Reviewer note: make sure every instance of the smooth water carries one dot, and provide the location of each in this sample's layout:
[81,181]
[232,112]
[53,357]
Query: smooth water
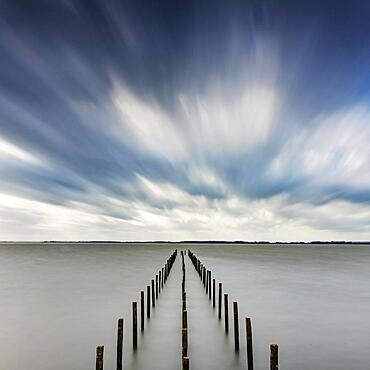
[59,301]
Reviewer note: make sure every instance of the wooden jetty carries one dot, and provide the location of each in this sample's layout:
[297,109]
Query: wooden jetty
[219,301]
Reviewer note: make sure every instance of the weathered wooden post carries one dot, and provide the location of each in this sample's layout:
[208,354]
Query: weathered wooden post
[148,301]
[99,357]
[162,276]
[219,300]
[209,284]
[226,301]
[207,276]
[156,286]
[214,292]
[184,301]
[185,319]
[119,344]
[159,283]
[185,363]
[249,340]
[236,325]
[134,325]
[274,357]
[184,342]
[153,294]
[142,313]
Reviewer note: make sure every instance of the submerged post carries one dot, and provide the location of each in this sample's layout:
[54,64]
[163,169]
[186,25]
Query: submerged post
[148,301]
[142,313]
[207,277]
[219,300]
[184,342]
[156,286]
[236,325]
[99,357]
[119,344]
[214,292]
[153,294]
[185,363]
[185,319]
[159,282]
[209,284]
[226,300]
[134,325]
[274,357]
[249,340]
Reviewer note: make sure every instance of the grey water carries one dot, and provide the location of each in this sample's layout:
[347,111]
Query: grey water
[59,301]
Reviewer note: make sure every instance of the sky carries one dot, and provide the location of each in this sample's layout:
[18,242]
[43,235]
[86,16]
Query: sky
[174,120]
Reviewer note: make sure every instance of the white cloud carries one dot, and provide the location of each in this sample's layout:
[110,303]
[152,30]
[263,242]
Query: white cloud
[332,150]
[9,151]
[217,122]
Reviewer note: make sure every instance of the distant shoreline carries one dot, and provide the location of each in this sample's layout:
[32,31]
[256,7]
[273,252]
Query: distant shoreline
[182,242]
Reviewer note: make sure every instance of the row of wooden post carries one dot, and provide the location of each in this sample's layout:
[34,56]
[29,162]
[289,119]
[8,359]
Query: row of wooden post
[184,330]
[206,278]
[157,285]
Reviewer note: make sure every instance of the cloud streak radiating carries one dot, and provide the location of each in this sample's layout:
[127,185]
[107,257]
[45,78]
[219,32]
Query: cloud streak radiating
[177,120]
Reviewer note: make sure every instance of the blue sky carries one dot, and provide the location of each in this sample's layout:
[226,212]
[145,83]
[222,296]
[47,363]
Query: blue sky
[147,120]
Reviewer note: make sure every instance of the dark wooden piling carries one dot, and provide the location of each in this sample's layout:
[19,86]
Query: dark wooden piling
[142,313]
[249,340]
[214,292]
[185,363]
[148,301]
[134,325]
[209,284]
[226,301]
[156,287]
[99,357]
[274,357]
[219,300]
[119,344]
[236,325]
[184,301]
[159,282]
[162,277]
[207,277]
[184,342]
[153,294]
[185,319]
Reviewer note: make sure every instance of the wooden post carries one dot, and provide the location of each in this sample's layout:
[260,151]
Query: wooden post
[162,276]
[185,319]
[184,301]
[159,284]
[207,277]
[236,325]
[142,313]
[214,292]
[226,300]
[99,357]
[249,340]
[184,342]
[274,357]
[134,325]
[219,300]
[148,301]
[209,284]
[153,294]
[119,344]
[156,286]
[185,363]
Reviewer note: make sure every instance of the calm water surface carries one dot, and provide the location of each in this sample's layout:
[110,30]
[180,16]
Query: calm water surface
[57,302]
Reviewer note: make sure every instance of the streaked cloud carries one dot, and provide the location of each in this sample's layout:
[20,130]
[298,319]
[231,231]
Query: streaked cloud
[122,124]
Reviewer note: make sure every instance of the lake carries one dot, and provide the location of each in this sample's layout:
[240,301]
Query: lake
[59,301]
